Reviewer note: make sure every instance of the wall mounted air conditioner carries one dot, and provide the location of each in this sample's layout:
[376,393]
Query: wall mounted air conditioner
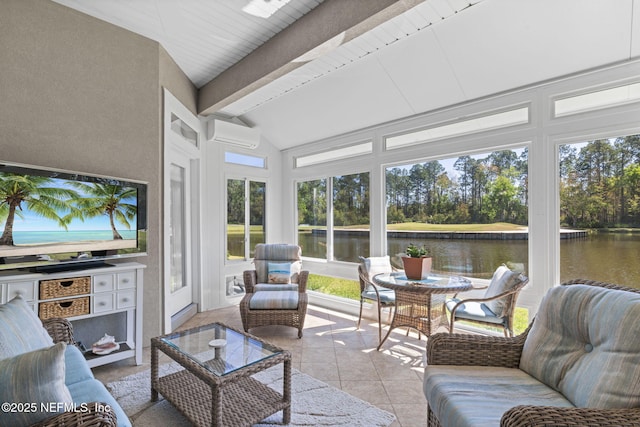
[233,134]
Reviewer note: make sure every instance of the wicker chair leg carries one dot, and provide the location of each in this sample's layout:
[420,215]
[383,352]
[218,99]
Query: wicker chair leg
[360,315]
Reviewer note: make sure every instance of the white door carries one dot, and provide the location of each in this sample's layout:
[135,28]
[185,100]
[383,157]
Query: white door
[180,292]
[181,187]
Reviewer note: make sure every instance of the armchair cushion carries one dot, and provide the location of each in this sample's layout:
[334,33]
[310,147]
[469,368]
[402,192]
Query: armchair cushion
[279,272]
[275,287]
[503,280]
[21,331]
[376,265]
[478,395]
[474,310]
[588,339]
[277,253]
[274,300]
[34,378]
[386,295]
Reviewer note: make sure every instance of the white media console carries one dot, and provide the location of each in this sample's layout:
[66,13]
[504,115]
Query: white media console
[97,301]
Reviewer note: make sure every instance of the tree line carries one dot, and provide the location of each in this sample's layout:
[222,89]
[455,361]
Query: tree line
[600,183]
[599,187]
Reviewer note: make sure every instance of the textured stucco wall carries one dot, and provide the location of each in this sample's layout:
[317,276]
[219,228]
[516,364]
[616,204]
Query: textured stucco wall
[80,94]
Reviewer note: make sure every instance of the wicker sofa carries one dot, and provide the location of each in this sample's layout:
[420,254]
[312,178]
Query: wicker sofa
[45,377]
[577,364]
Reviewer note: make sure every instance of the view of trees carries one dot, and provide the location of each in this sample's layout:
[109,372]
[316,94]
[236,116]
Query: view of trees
[599,187]
[484,189]
[600,183]
[350,201]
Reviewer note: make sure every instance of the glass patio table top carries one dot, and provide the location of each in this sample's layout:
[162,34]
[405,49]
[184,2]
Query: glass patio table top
[434,283]
[219,348]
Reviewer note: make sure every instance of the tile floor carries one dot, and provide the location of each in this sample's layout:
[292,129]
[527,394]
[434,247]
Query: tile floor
[334,351]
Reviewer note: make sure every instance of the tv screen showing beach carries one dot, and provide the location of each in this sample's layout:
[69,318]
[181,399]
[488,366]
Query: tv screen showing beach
[46,212]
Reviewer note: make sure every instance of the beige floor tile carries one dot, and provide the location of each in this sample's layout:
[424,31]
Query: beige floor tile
[370,391]
[333,351]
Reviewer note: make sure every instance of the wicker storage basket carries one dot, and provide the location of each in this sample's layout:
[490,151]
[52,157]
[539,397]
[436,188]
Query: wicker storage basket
[57,288]
[64,308]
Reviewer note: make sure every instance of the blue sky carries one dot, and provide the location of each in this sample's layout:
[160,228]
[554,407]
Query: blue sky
[32,222]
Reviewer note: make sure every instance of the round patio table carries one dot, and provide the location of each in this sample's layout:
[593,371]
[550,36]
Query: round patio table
[420,303]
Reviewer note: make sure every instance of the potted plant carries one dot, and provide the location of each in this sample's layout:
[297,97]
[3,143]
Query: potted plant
[417,262]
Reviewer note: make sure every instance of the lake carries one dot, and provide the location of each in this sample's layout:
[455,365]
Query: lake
[611,257]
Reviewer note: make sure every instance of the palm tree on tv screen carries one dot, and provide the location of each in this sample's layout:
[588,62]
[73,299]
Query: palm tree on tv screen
[41,196]
[107,199]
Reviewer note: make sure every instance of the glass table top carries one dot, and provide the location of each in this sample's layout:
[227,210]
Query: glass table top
[220,349]
[399,278]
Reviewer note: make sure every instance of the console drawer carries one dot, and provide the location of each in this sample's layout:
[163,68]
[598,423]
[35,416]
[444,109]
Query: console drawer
[64,287]
[103,283]
[126,299]
[64,308]
[24,289]
[103,303]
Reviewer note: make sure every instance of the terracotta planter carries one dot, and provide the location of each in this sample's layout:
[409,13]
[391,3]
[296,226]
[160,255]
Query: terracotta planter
[417,268]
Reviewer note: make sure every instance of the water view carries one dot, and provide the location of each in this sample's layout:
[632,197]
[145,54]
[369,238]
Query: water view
[611,257]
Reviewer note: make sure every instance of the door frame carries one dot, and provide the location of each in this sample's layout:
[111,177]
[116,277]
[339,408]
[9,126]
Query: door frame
[174,143]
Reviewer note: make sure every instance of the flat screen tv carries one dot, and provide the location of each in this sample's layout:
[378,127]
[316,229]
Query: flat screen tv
[57,220]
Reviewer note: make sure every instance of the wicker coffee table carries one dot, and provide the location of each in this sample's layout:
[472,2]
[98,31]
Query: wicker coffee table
[215,388]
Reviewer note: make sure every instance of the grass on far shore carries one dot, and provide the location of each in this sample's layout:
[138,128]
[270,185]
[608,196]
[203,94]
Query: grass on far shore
[421,226]
[351,289]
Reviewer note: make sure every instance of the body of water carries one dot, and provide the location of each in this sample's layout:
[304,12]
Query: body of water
[611,257]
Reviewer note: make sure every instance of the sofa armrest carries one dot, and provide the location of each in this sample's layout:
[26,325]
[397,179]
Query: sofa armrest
[60,330]
[96,415]
[474,350]
[529,416]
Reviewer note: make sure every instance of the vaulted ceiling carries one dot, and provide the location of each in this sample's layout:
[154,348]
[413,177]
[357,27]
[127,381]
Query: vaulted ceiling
[378,60]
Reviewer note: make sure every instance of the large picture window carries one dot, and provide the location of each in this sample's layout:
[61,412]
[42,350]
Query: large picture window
[469,211]
[600,209]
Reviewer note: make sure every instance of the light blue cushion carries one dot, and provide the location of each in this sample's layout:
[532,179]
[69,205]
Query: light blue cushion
[473,310]
[21,331]
[584,343]
[93,390]
[34,378]
[277,252]
[477,396]
[279,272]
[76,366]
[386,295]
[275,287]
[274,300]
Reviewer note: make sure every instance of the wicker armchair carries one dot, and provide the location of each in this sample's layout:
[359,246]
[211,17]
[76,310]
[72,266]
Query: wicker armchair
[479,310]
[272,302]
[489,351]
[98,414]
